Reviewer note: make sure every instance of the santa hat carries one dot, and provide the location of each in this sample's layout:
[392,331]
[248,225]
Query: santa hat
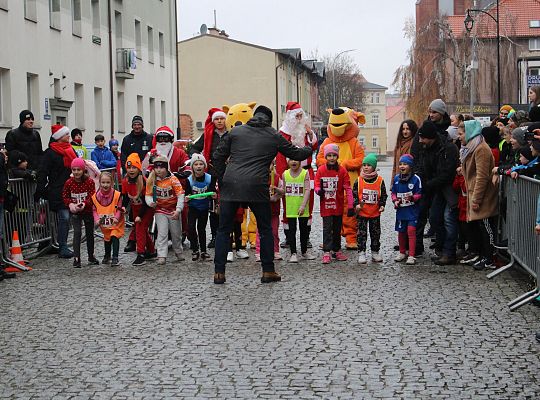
[59,131]
[197,157]
[217,114]
[209,128]
[162,131]
[292,105]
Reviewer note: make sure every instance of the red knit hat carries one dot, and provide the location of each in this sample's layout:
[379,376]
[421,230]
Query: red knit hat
[292,105]
[59,131]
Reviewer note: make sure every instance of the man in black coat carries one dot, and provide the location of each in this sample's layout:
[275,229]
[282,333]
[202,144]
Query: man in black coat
[26,139]
[138,141]
[248,151]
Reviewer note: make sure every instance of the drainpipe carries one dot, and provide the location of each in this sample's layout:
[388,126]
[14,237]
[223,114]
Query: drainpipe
[179,129]
[111,68]
[277,96]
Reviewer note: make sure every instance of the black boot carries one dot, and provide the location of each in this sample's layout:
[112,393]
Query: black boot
[212,242]
[130,247]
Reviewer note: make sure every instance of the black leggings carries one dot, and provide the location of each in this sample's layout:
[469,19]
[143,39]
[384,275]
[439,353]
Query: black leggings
[114,243]
[291,233]
[197,220]
[332,233]
[77,220]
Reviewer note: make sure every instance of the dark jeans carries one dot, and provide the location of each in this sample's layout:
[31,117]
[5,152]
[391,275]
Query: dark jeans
[374,225]
[63,227]
[422,220]
[445,220]
[486,229]
[197,220]
[77,220]
[304,233]
[332,233]
[263,216]
[214,223]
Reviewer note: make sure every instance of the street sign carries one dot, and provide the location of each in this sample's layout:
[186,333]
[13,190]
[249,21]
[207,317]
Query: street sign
[47,117]
[533,80]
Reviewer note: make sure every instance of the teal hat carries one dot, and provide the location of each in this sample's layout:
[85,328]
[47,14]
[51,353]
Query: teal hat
[473,128]
[370,159]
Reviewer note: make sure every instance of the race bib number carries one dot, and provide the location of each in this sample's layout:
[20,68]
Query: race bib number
[404,197]
[294,189]
[330,186]
[78,197]
[164,193]
[107,220]
[369,196]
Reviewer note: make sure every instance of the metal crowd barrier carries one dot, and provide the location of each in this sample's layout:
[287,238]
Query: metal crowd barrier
[33,221]
[523,244]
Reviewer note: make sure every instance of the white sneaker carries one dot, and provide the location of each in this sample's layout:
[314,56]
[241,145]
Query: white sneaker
[411,260]
[294,258]
[308,256]
[257,257]
[400,257]
[242,254]
[161,260]
[230,256]
[362,257]
[375,256]
[277,256]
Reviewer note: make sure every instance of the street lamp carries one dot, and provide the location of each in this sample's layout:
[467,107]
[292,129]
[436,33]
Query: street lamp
[469,23]
[334,73]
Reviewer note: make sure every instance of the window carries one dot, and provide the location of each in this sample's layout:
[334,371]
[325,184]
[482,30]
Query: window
[150,45]
[534,23]
[375,98]
[161,43]
[375,142]
[96,23]
[32,93]
[79,106]
[374,120]
[30,10]
[57,89]
[5,94]
[163,113]
[138,39]
[76,17]
[54,14]
[534,44]
[98,109]
[152,114]
[121,113]
[140,106]
[118,29]
[362,140]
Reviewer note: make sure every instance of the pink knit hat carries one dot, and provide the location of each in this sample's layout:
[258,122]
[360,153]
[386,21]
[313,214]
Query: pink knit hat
[78,163]
[331,148]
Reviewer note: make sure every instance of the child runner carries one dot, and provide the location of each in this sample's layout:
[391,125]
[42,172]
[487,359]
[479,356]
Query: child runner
[199,182]
[165,194]
[332,184]
[406,193]
[77,196]
[295,183]
[369,193]
[133,191]
[109,216]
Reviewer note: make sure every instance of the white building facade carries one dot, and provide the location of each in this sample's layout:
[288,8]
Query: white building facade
[90,64]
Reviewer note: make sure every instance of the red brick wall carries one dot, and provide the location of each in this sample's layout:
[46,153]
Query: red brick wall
[186,126]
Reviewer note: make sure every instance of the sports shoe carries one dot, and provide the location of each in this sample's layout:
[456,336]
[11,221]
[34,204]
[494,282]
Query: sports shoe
[219,279]
[205,256]
[258,257]
[149,255]
[375,256]
[212,243]
[326,258]
[338,255]
[309,244]
[308,256]
[65,253]
[484,264]
[140,260]
[77,262]
[445,260]
[106,260]
[230,256]
[269,277]
[362,258]
[284,245]
[410,260]
[277,256]
[93,260]
[195,256]
[400,257]
[115,262]
[470,260]
[294,258]
[161,260]
[131,246]
[242,254]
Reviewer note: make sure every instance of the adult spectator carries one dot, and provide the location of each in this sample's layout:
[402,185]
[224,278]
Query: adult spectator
[437,169]
[54,171]
[477,162]
[215,131]
[439,116]
[26,139]
[534,97]
[3,189]
[250,149]
[138,141]
[407,132]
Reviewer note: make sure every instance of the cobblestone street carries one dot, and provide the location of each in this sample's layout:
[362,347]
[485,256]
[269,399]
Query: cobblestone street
[341,331]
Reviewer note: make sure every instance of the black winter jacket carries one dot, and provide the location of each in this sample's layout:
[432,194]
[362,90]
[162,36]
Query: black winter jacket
[198,147]
[52,175]
[28,142]
[134,143]
[3,176]
[250,149]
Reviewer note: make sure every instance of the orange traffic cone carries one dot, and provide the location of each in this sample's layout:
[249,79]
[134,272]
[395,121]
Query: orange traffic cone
[16,255]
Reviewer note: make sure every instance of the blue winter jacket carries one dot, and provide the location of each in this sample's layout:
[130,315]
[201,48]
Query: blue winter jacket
[104,158]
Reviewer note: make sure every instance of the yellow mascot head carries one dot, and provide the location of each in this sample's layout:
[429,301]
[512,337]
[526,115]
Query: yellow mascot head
[238,114]
[343,123]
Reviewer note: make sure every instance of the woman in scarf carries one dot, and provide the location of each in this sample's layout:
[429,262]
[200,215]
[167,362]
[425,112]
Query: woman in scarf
[482,198]
[407,131]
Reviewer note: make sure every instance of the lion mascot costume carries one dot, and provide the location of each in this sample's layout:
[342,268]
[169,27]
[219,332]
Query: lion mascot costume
[343,131]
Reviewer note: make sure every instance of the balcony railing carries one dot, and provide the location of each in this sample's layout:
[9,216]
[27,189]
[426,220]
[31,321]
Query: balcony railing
[126,62]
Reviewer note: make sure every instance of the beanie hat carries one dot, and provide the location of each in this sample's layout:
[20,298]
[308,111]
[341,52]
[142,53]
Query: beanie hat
[264,110]
[407,159]
[59,131]
[438,105]
[137,119]
[24,115]
[526,152]
[370,159]
[331,148]
[75,132]
[506,107]
[473,128]
[428,130]
[534,114]
[113,142]
[292,105]
[78,163]
[217,113]
[519,135]
[535,144]
[197,157]
[492,136]
[162,161]
[134,160]
[16,157]
[165,131]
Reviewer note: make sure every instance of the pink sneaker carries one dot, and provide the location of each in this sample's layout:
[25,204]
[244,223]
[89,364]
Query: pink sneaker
[326,258]
[340,256]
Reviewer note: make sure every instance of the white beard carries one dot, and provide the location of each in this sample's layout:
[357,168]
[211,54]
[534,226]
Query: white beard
[298,136]
[164,149]
[296,129]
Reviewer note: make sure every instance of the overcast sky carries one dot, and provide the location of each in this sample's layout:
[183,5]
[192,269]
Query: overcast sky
[374,28]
